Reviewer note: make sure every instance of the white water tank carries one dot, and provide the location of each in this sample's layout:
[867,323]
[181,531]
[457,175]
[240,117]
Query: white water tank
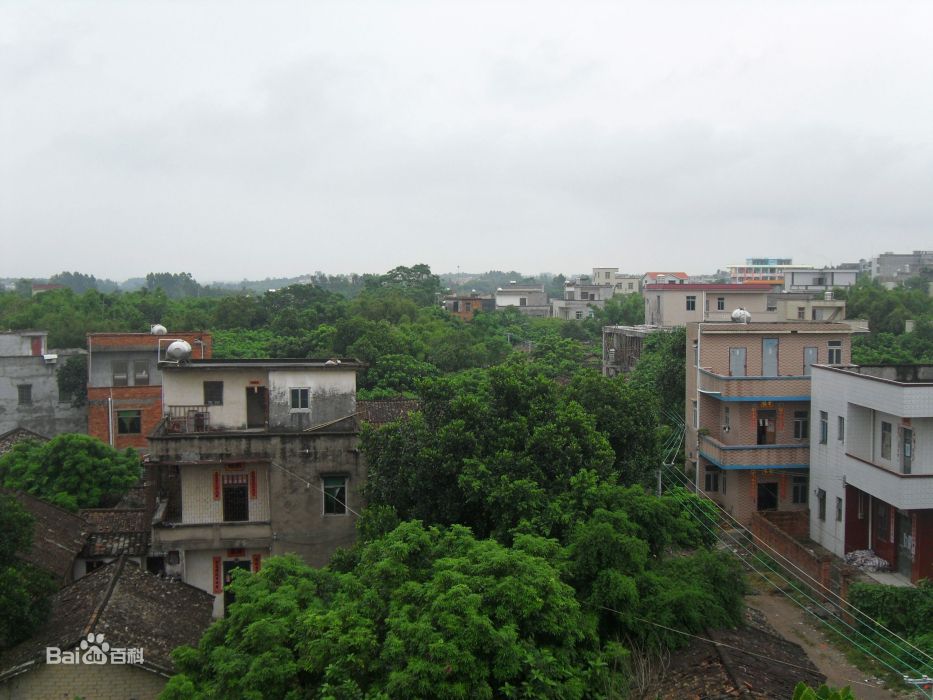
[741,316]
[178,351]
[158,329]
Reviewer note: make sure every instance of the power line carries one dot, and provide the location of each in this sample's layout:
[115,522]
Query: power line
[816,602]
[314,486]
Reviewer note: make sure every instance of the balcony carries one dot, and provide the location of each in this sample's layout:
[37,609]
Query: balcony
[187,419]
[903,491]
[168,535]
[796,456]
[727,388]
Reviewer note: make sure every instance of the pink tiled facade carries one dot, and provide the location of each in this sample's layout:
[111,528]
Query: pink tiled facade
[748,434]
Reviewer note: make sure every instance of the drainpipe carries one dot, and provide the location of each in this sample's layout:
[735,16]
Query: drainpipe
[696,472]
[110,417]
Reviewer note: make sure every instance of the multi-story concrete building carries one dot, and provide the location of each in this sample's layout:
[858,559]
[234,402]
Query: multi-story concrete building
[124,386]
[254,458]
[748,409]
[465,306]
[893,268]
[664,278]
[762,270]
[871,463]
[29,394]
[823,280]
[623,283]
[529,299]
[581,296]
[678,304]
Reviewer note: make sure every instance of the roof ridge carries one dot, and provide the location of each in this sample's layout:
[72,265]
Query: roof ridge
[95,616]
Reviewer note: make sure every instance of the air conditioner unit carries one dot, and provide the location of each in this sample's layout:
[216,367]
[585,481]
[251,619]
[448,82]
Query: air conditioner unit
[50,359]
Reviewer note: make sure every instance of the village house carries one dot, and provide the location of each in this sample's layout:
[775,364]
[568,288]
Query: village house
[528,299]
[466,306]
[29,395]
[254,458]
[747,408]
[871,459]
[124,392]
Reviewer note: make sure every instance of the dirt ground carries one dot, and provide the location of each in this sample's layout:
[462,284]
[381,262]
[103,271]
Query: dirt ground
[800,627]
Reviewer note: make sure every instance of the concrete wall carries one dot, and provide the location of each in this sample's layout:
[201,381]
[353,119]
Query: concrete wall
[20,344]
[199,569]
[45,414]
[104,682]
[668,306]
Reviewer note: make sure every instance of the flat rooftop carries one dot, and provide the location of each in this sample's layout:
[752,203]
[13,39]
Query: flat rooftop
[901,374]
[268,363]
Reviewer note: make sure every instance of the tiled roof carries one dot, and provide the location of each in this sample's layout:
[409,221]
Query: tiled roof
[58,536]
[11,437]
[379,412]
[130,607]
[745,663]
[115,532]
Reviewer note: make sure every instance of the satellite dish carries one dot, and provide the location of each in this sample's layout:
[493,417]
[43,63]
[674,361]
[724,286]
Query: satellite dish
[178,351]
[158,329]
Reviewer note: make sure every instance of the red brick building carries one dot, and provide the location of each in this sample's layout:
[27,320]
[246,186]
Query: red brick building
[124,388]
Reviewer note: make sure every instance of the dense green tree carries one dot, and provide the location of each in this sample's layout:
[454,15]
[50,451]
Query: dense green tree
[71,377]
[71,470]
[24,589]
[661,369]
[422,612]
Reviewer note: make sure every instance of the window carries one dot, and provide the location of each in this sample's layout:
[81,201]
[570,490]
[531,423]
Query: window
[841,429]
[523,301]
[799,489]
[722,481]
[120,377]
[801,425]
[801,313]
[726,419]
[236,497]
[821,503]
[24,394]
[885,440]
[834,353]
[631,285]
[140,372]
[696,415]
[691,303]
[606,275]
[578,315]
[907,440]
[824,427]
[712,480]
[838,509]
[299,400]
[129,422]
[213,393]
[862,506]
[720,303]
[335,495]
[881,523]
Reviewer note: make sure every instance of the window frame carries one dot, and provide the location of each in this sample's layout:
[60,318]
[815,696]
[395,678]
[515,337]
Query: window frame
[691,302]
[839,509]
[130,421]
[886,440]
[118,378]
[214,385]
[339,501]
[24,394]
[801,425]
[303,394]
[711,480]
[841,429]
[824,427]
[720,303]
[834,352]
[821,504]
[799,486]
[145,374]
[234,495]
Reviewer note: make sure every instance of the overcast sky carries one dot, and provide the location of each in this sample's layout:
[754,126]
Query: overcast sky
[259,139]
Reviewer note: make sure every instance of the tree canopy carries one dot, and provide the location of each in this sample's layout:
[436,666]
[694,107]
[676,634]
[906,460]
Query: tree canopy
[73,471]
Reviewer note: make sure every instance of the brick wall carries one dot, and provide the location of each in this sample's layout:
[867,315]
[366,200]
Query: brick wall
[102,342]
[796,524]
[146,399]
[815,563]
[106,682]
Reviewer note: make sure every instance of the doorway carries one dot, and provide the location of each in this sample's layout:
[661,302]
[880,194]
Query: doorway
[768,496]
[767,427]
[229,568]
[256,402]
[905,540]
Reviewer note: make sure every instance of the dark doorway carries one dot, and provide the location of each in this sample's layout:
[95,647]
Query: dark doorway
[905,538]
[766,427]
[768,496]
[229,567]
[256,406]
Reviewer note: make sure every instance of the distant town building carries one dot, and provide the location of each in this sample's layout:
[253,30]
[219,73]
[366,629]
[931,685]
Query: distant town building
[678,304]
[29,394]
[871,470]
[581,296]
[124,388]
[762,270]
[624,283]
[529,299]
[747,407]
[465,306]
[664,278]
[812,280]
[894,268]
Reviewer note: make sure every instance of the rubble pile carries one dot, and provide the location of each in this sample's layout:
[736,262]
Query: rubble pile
[867,560]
